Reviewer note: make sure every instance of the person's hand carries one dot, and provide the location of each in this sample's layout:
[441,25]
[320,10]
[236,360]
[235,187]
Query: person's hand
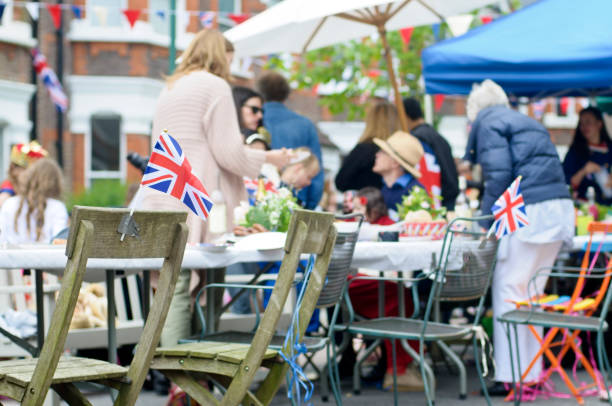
[279,157]
[241,231]
[591,167]
[609,182]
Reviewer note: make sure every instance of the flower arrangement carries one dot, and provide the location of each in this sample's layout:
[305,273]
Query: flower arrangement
[419,206]
[273,211]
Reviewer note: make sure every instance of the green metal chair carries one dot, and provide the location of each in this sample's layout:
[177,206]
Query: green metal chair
[463,273]
[572,318]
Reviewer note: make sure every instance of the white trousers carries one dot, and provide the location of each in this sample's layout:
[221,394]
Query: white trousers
[510,281]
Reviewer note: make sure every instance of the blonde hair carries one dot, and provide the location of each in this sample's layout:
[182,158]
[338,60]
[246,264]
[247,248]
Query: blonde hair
[207,51]
[42,180]
[484,95]
[381,121]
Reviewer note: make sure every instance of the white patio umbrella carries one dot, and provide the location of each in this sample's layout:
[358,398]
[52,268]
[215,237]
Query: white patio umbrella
[298,26]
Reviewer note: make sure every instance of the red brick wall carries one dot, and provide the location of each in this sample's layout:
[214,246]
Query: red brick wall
[140,144]
[77,149]
[15,63]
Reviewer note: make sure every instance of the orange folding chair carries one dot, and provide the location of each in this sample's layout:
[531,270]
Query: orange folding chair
[566,317]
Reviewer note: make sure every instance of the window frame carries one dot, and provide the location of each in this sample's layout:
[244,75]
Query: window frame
[91,174]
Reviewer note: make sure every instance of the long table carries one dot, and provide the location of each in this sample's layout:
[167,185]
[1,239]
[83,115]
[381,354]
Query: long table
[404,256]
[383,256]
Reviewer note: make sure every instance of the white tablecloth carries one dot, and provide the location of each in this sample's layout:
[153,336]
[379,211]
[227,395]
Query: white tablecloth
[375,255]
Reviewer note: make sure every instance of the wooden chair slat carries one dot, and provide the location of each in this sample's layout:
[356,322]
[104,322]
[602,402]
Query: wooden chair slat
[156,234]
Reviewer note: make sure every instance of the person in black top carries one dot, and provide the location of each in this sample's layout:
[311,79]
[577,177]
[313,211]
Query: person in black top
[356,170]
[442,151]
[588,162]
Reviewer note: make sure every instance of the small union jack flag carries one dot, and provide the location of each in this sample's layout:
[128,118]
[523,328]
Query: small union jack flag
[509,211]
[169,172]
[46,74]
[207,19]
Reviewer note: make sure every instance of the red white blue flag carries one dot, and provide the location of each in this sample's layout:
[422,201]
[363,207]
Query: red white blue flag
[509,211]
[207,19]
[46,74]
[169,172]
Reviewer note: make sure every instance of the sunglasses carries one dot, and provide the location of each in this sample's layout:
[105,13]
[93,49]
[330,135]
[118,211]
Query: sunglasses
[254,109]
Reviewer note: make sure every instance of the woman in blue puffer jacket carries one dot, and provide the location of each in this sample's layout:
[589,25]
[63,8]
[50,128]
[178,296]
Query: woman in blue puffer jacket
[507,144]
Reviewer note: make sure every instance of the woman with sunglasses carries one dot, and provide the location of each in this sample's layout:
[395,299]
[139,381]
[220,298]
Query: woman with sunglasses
[250,115]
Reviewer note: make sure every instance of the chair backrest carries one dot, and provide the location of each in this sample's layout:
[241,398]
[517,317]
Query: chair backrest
[94,234]
[309,233]
[603,293]
[465,266]
[340,264]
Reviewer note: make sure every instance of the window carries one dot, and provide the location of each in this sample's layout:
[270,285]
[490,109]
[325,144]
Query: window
[105,146]
[160,24]
[109,10]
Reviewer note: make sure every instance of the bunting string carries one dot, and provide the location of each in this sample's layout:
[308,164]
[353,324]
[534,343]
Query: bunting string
[206,17]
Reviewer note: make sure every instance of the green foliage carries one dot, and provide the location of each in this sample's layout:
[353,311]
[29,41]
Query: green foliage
[418,200]
[273,211]
[361,66]
[102,193]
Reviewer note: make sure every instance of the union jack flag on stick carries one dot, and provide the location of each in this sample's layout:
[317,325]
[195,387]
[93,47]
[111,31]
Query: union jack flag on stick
[509,211]
[50,80]
[169,172]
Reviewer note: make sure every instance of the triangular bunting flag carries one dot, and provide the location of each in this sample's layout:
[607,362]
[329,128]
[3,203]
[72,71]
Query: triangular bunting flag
[161,14]
[131,15]
[2,6]
[406,34]
[459,25]
[56,14]
[207,19]
[238,18]
[486,19]
[33,10]
[101,13]
[438,101]
[77,11]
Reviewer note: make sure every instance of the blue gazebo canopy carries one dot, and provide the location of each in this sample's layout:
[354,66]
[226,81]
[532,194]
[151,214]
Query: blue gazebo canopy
[552,47]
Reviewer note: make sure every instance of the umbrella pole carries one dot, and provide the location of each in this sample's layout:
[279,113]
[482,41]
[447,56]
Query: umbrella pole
[398,98]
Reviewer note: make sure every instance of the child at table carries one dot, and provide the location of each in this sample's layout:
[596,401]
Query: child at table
[369,202]
[36,214]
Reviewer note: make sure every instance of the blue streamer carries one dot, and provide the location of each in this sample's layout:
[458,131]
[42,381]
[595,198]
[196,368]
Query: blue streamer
[298,379]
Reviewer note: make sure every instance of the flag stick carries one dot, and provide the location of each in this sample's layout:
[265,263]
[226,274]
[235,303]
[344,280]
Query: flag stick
[133,204]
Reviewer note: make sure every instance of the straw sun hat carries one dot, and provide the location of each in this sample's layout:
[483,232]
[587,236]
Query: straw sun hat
[404,148]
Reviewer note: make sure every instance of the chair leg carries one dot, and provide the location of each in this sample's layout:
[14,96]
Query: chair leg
[518,363]
[429,380]
[604,364]
[357,367]
[334,376]
[483,385]
[394,359]
[508,336]
[71,394]
[460,367]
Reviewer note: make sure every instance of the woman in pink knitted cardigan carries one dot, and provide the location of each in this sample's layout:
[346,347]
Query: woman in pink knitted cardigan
[197,108]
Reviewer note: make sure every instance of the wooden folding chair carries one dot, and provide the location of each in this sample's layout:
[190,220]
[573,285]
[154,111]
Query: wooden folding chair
[94,234]
[568,319]
[233,365]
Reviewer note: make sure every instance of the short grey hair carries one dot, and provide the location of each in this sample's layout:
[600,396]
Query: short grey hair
[484,95]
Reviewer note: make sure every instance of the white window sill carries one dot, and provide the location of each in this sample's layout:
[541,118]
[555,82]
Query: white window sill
[18,33]
[83,31]
[554,121]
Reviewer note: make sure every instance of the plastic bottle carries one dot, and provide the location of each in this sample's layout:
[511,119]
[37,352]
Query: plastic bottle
[462,208]
[592,207]
[217,220]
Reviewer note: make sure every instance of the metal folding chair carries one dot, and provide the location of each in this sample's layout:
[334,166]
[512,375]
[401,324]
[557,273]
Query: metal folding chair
[566,320]
[464,271]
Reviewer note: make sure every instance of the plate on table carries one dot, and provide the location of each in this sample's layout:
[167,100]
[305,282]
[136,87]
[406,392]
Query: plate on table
[268,241]
[214,247]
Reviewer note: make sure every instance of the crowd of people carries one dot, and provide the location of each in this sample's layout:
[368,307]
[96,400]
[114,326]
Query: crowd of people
[234,134]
